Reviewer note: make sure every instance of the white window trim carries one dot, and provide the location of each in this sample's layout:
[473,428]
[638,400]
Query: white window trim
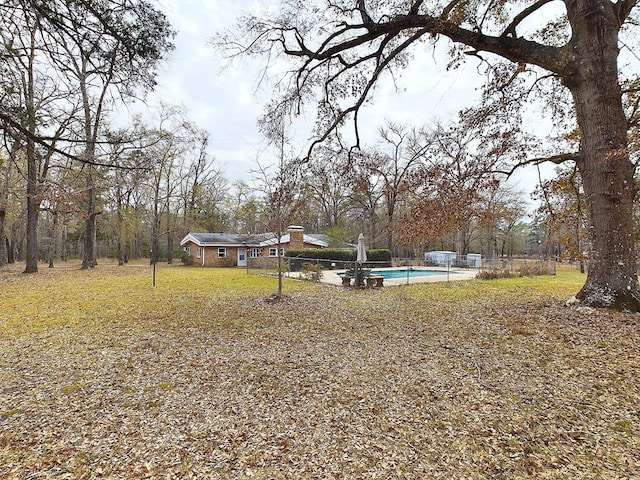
[222,252]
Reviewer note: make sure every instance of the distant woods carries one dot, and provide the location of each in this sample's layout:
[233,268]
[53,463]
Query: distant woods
[155,181]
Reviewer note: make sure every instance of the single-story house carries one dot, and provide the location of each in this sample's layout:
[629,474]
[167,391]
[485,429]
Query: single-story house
[228,249]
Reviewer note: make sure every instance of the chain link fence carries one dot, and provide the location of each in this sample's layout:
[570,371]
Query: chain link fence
[311,268]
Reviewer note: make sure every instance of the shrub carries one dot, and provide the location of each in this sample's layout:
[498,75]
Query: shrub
[311,272]
[494,273]
[535,269]
[524,270]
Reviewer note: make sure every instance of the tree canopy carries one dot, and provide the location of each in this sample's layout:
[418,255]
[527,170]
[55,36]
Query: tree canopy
[570,57]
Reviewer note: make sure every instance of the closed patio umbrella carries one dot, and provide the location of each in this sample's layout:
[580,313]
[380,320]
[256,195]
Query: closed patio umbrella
[360,259]
[362,253]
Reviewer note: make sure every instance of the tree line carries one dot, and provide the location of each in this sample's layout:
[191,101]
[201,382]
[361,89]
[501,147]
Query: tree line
[75,184]
[155,181]
[65,67]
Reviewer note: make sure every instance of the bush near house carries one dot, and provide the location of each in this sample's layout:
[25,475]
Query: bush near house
[341,258]
[311,271]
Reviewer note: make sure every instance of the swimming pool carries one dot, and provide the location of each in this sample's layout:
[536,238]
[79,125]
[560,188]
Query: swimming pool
[413,273]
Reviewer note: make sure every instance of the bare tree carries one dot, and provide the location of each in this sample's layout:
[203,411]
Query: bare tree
[448,189]
[400,154]
[562,210]
[244,208]
[203,187]
[330,189]
[280,183]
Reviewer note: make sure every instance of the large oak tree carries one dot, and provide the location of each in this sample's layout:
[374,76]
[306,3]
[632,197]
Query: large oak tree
[341,48]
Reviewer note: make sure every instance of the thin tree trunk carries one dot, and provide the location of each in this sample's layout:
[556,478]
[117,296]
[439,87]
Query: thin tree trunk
[3,239]
[89,255]
[13,248]
[53,234]
[4,201]
[120,221]
[169,247]
[63,243]
[33,209]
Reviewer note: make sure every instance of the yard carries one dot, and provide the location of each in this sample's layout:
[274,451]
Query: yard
[104,376]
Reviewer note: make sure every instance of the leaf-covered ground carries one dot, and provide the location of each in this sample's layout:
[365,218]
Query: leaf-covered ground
[103,376]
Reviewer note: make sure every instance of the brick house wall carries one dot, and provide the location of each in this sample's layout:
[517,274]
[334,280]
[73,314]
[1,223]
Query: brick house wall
[211,258]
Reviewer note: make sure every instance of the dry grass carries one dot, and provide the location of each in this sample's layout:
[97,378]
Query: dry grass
[102,376]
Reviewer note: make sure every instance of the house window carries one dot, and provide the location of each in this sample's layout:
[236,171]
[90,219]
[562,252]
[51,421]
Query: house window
[273,252]
[254,253]
[198,252]
[187,251]
[222,253]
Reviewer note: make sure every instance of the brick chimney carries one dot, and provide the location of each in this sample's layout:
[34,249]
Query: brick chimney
[296,237]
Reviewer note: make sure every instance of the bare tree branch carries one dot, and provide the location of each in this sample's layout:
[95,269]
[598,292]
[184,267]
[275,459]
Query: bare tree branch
[557,159]
[511,28]
[623,8]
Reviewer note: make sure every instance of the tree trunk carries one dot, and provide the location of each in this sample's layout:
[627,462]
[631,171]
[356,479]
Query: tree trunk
[169,248]
[3,239]
[63,243]
[4,201]
[53,235]
[33,209]
[120,224]
[89,255]
[605,167]
[155,239]
[12,245]
[279,246]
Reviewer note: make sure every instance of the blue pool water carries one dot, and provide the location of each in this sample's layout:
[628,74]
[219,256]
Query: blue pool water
[396,274]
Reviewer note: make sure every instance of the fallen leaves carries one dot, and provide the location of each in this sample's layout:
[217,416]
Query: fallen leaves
[196,379]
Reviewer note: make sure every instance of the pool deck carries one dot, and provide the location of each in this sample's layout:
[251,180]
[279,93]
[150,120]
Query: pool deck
[333,276]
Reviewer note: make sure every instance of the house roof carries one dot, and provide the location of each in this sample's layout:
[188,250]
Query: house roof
[325,238]
[309,239]
[225,239]
[239,240]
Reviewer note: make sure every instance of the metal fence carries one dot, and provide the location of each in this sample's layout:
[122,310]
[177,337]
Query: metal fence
[513,266]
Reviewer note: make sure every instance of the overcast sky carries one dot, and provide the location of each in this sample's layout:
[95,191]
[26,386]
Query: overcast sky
[226,103]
